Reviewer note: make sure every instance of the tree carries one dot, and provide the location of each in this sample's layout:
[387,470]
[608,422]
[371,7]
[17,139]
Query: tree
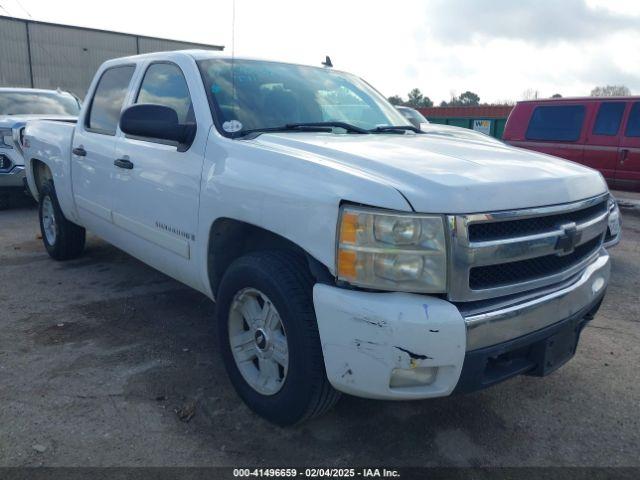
[611,91]
[416,99]
[556,95]
[530,94]
[396,100]
[469,98]
[466,99]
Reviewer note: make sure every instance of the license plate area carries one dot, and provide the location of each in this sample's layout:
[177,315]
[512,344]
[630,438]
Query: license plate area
[555,351]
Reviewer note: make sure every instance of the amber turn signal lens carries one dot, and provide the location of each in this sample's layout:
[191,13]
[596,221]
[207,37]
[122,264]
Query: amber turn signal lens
[347,264]
[349,228]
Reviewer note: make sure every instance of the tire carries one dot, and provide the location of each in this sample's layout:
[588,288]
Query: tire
[63,239]
[283,280]
[5,202]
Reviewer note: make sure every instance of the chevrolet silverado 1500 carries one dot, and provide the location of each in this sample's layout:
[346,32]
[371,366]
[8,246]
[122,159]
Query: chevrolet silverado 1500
[17,105]
[347,251]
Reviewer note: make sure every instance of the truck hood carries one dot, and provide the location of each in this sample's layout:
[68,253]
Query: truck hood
[437,174]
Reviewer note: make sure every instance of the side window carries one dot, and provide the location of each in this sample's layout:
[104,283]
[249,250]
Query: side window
[164,84]
[559,123]
[106,105]
[609,118]
[633,124]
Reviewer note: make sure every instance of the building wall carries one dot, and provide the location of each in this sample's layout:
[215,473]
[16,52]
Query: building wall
[45,55]
[14,55]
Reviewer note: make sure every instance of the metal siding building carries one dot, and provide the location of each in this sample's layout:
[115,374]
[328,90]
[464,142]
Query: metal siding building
[47,55]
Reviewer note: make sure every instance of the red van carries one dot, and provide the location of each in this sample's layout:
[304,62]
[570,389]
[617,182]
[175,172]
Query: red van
[600,132]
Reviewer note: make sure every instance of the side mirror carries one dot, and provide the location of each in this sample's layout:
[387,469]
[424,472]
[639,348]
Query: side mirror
[155,121]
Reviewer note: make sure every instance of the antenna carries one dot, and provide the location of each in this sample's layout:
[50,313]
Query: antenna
[233,49]
[327,62]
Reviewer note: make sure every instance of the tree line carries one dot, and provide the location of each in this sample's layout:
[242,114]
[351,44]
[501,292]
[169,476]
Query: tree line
[416,99]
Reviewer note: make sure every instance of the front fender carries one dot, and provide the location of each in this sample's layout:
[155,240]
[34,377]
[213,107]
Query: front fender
[293,197]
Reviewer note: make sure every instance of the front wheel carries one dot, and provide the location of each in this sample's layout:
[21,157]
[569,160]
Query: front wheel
[269,338]
[63,239]
[5,201]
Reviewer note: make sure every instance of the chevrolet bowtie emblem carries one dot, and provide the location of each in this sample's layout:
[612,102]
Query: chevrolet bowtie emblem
[570,238]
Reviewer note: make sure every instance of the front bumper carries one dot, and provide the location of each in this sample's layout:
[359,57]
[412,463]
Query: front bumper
[538,354]
[13,179]
[367,336]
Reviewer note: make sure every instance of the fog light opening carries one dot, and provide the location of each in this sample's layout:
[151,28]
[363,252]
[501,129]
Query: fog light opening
[412,377]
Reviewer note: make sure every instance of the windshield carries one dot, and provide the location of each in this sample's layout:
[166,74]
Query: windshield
[262,95]
[38,103]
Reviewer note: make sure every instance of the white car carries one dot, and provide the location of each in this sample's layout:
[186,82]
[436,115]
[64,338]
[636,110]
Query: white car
[346,250]
[17,105]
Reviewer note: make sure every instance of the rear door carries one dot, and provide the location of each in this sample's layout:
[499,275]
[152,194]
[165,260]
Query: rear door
[557,130]
[93,149]
[603,138]
[628,170]
[158,194]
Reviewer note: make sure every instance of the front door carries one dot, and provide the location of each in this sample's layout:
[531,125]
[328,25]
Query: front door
[628,170]
[158,184]
[93,149]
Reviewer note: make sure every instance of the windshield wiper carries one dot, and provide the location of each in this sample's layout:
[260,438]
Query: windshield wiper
[304,127]
[253,132]
[395,129]
[345,126]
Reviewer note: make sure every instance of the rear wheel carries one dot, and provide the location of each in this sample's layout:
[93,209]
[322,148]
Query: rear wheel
[269,337]
[63,239]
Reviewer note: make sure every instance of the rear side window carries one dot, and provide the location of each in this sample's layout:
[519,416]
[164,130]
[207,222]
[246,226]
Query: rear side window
[609,118]
[633,124]
[108,100]
[559,123]
[164,84]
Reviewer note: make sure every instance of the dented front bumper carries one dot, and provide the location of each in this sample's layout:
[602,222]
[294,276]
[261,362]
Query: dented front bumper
[367,337]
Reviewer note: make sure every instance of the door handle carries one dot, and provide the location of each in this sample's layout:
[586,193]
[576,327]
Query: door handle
[123,163]
[623,155]
[79,151]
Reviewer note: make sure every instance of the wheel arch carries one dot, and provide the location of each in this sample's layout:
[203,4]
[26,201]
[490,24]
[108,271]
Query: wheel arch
[230,239]
[40,173]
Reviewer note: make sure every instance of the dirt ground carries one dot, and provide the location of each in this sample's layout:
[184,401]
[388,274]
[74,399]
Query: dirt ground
[98,354]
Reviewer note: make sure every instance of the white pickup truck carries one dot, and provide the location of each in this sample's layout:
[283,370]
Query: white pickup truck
[17,105]
[346,250]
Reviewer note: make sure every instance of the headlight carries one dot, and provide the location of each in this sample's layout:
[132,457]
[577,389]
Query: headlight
[391,251]
[6,138]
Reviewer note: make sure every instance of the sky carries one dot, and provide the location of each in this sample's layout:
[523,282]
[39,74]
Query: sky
[499,49]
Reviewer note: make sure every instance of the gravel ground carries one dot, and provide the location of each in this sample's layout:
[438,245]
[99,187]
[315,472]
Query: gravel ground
[98,354]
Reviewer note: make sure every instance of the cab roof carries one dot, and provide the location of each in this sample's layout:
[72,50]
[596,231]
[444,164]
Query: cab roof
[201,54]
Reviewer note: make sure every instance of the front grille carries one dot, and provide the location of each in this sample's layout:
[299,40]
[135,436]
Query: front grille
[482,232]
[498,254]
[492,276]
